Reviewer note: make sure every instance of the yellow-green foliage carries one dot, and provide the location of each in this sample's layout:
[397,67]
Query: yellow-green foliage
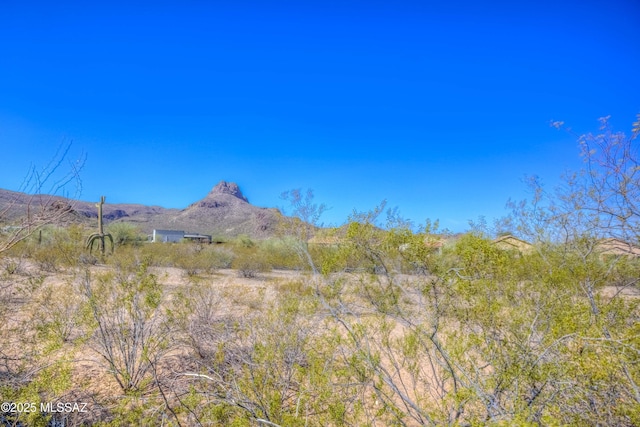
[125,233]
[250,261]
[277,363]
[413,333]
[281,254]
[48,384]
[400,329]
[193,258]
[56,247]
[126,319]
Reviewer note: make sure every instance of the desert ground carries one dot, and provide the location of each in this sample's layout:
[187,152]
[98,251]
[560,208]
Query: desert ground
[373,331]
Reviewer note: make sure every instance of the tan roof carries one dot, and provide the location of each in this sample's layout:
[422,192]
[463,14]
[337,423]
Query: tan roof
[510,242]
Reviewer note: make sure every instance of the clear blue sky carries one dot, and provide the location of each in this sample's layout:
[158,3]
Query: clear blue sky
[439,108]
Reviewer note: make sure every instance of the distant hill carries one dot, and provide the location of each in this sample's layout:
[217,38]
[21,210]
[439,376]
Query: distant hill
[225,211]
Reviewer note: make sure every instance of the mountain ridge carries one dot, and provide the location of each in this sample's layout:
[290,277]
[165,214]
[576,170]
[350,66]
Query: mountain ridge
[224,211]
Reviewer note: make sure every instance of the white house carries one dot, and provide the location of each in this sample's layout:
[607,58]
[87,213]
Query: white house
[167,236]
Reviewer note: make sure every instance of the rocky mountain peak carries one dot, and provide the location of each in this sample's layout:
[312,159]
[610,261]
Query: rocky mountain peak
[224,187]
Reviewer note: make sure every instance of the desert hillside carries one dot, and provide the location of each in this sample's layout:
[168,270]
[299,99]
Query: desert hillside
[224,211]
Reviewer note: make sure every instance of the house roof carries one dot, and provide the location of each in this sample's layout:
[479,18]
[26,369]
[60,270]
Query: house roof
[511,242]
[197,236]
[165,232]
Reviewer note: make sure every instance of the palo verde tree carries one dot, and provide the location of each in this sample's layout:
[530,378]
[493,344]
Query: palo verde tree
[100,235]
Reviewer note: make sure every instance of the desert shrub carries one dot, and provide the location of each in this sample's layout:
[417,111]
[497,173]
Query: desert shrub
[299,288]
[479,257]
[28,371]
[330,259]
[273,368]
[193,258]
[196,259]
[490,335]
[158,254]
[12,265]
[45,383]
[217,257]
[57,247]
[56,314]
[46,259]
[197,316]
[248,266]
[280,254]
[243,241]
[249,262]
[21,249]
[126,261]
[126,321]
[125,233]
[187,257]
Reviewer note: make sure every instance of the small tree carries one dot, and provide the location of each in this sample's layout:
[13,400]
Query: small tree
[304,220]
[600,200]
[126,233]
[609,186]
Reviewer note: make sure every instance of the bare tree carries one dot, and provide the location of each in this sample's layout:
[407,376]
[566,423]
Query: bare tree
[38,201]
[606,192]
[612,190]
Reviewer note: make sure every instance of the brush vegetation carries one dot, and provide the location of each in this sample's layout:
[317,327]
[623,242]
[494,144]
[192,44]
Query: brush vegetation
[378,322]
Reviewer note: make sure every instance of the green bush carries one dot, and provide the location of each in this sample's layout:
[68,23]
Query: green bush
[195,259]
[159,254]
[249,262]
[280,254]
[57,247]
[125,233]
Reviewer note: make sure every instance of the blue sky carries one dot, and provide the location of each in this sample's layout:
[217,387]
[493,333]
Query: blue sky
[441,109]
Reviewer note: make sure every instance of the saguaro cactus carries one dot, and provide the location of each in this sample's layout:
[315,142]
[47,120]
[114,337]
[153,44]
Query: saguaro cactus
[100,235]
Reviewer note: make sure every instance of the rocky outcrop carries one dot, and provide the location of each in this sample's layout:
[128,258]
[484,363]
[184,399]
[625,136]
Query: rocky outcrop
[226,211]
[224,187]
